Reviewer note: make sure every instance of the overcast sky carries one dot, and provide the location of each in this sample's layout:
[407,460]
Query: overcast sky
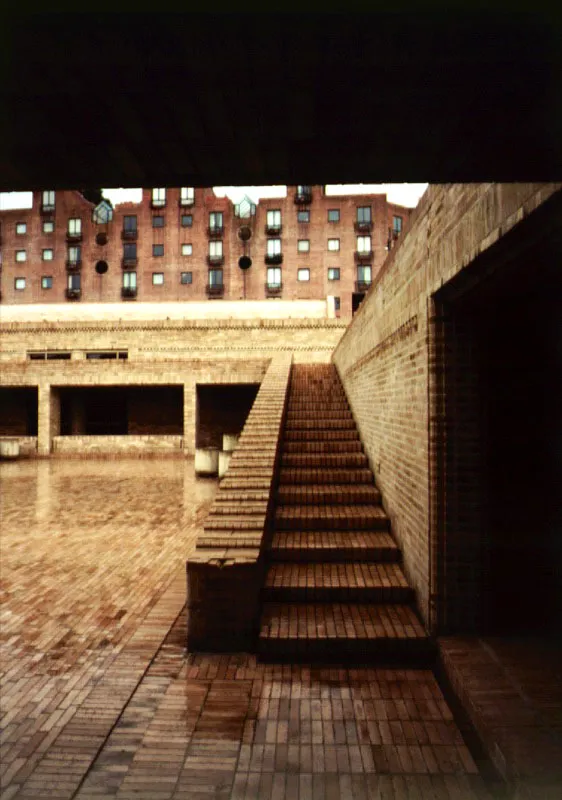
[406,194]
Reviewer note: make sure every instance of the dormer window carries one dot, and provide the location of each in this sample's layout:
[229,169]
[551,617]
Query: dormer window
[158,198]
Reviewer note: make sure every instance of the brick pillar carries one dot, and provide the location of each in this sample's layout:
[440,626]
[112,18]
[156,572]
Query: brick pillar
[48,424]
[189,417]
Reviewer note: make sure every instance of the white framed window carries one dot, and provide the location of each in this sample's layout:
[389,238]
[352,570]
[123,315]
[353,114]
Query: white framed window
[397,224]
[19,284]
[48,199]
[47,255]
[187,195]
[46,281]
[274,218]
[215,249]
[21,255]
[158,197]
[334,245]
[274,247]
[187,249]
[21,228]
[215,220]
[157,278]
[303,274]
[303,246]
[130,280]
[363,244]
[75,226]
[334,274]
[75,254]
[215,277]
[274,276]
[48,226]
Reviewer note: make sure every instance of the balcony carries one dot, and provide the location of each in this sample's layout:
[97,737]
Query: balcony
[215,261]
[363,255]
[186,202]
[74,264]
[362,286]
[129,263]
[276,258]
[215,289]
[128,292]
[158,203]
[73,294]
[129,235]
[304,196]
[273,289]
[72,238]
[273,230]
[215,231]
[363,227]
[47,208]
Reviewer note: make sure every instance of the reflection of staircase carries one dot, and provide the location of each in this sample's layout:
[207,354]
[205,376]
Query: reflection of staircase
[334,586]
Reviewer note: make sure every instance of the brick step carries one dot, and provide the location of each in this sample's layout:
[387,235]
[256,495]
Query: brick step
[347,446]
[305,546]
[244,483]
[324,460]
[334,494]
[340,632]
[227,509]
[343,435]
[336,582]
[318,396]
[335,518]
[310,423]
[317,405]
[321,413]
[241,495]
[322,475]
[224,523]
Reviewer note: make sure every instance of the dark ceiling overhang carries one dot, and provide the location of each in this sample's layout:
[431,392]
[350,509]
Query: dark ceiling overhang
[201,99]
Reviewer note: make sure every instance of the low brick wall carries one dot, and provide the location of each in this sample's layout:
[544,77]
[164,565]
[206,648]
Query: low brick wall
[28,445]
[90,446]
[225,574]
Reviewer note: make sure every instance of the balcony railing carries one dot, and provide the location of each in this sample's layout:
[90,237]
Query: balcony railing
[74,237]
[273,289]
[215,289]
[274,258]
[186,202]
[215,230]
[273,230]
[129,235]
[158,203]
[128,292]
[127,263]
[363,227]
[73,294]
[73,264]
[362,286]
[303,197]
[363,255]
[215,261]
[47,208]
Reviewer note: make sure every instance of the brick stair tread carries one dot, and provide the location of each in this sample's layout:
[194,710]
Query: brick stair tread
[324,460]
[231,483]
[315,494]
[234,523]
[331,517]
[319,435]
[336,575]
[306,446]
[241,495]
[318,545]
[308,423]
[238,507]
[298,476]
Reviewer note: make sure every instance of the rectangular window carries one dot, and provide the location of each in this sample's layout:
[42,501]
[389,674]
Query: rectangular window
[58,356]
[48,200]
[363,244]
[303,275]
[186,277]
[21,255]
[215,277]
[333,215]
[158,222]
[303,246]
[157,278]
[274,219]
[19,284]
[130,251]
[215,249]
[75,254]
[186,220]
[21,228]
[337,303]
[333,245]
[397,224]
[157,250]
[129,280]
[364,215]
[130,223]
[75,281]
[215,220]
[274,277]
[364,274]
[187,249]
[47,255]
[158,197]
[46,282]
[334,274]
[75,226]
[303,216]
[273,247]
[187,195]
[48,226]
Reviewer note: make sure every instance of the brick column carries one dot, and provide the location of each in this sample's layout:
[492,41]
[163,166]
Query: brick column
[48,423]
[189,417]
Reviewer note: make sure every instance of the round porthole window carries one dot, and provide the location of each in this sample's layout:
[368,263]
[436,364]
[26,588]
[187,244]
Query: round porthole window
[102,267]
[244,262]
[101,238]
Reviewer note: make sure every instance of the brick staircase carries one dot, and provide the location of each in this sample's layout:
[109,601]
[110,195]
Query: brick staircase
[334,588]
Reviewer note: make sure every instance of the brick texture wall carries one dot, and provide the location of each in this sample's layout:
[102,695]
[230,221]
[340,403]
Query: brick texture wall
[384,358]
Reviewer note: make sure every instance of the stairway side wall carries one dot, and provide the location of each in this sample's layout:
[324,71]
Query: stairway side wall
[384,357]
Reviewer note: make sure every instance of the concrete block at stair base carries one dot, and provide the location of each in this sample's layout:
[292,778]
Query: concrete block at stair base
[224,461]
[207,461]
[222,604]
[229,442]
[9,449]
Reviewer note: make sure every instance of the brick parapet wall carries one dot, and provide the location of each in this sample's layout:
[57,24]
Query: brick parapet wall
[383,357]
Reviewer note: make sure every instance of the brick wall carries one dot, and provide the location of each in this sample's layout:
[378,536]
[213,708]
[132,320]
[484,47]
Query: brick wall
[384,356]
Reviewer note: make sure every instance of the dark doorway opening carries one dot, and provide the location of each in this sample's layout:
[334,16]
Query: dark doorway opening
[222,408]
[18,411]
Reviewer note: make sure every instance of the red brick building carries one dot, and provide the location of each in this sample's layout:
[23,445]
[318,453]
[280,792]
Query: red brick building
[185,244]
